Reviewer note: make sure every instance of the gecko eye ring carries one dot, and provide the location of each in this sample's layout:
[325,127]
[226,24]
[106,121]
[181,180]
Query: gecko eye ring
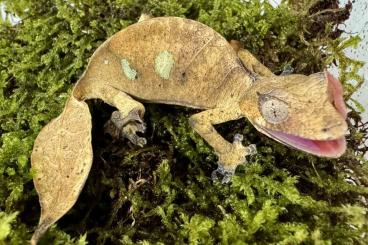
[274,111]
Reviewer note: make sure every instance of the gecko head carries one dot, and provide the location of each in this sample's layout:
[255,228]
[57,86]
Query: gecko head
[304,112]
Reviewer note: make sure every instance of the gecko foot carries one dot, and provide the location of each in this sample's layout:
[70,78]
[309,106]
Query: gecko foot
[229,160]
[129,132]
[127,127]
[248,150]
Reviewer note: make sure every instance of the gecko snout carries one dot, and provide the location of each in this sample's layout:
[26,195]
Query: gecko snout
[334,130]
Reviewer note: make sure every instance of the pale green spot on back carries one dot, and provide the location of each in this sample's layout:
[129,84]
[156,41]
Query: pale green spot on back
[129,72]
[164,63]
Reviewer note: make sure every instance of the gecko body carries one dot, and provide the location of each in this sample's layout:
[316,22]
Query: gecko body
[178,61]
[182,62]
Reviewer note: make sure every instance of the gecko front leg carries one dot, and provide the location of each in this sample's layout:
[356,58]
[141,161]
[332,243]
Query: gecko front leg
[230,155]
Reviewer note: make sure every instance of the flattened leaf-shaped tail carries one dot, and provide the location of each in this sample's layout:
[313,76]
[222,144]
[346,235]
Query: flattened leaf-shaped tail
[62,158]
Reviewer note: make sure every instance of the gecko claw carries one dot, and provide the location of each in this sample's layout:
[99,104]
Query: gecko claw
[251,150]
[238,138]
[214,176]
[226,174]
[232,158]
[141,127]
[129,132]
[120,121]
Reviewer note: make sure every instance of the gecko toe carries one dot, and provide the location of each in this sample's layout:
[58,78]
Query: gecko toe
[141,127]
[129,131]
[238,138]
[127,127]
[120,121]
[136,140]
[226,174]
[214,176]
[251,150]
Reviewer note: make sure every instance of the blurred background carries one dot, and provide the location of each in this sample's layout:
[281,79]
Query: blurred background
[357,24]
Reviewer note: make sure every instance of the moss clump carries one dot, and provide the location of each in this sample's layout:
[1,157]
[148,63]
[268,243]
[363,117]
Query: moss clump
[162,193]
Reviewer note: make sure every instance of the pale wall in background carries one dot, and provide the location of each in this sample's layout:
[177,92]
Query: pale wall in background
[358,24]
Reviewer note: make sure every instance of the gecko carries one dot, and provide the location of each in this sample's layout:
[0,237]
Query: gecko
[183,62]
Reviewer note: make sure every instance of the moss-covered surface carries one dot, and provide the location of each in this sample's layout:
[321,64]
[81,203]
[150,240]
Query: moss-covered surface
[163,193]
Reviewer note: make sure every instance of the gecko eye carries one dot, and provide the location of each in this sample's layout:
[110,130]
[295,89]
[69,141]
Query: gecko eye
[273,110]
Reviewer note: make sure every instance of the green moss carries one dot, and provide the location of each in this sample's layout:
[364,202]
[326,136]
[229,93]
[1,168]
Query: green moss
[162,193]
[5,224]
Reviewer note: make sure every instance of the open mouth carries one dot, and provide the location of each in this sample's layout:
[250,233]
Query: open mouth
[325,148]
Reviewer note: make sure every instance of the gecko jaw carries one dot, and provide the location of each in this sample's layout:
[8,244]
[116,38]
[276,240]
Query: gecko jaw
[323,148]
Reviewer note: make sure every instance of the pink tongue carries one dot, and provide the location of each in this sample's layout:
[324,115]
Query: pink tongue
[331,148]
[326,148]
[336,92]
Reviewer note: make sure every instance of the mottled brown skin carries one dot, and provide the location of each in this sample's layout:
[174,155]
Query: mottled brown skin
[208,73]
[174,61]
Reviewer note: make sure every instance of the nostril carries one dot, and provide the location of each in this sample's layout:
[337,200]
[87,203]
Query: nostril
[330,127]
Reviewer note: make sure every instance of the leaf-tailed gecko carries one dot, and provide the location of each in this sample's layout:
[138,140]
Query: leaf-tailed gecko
[183,62]
[179,61]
